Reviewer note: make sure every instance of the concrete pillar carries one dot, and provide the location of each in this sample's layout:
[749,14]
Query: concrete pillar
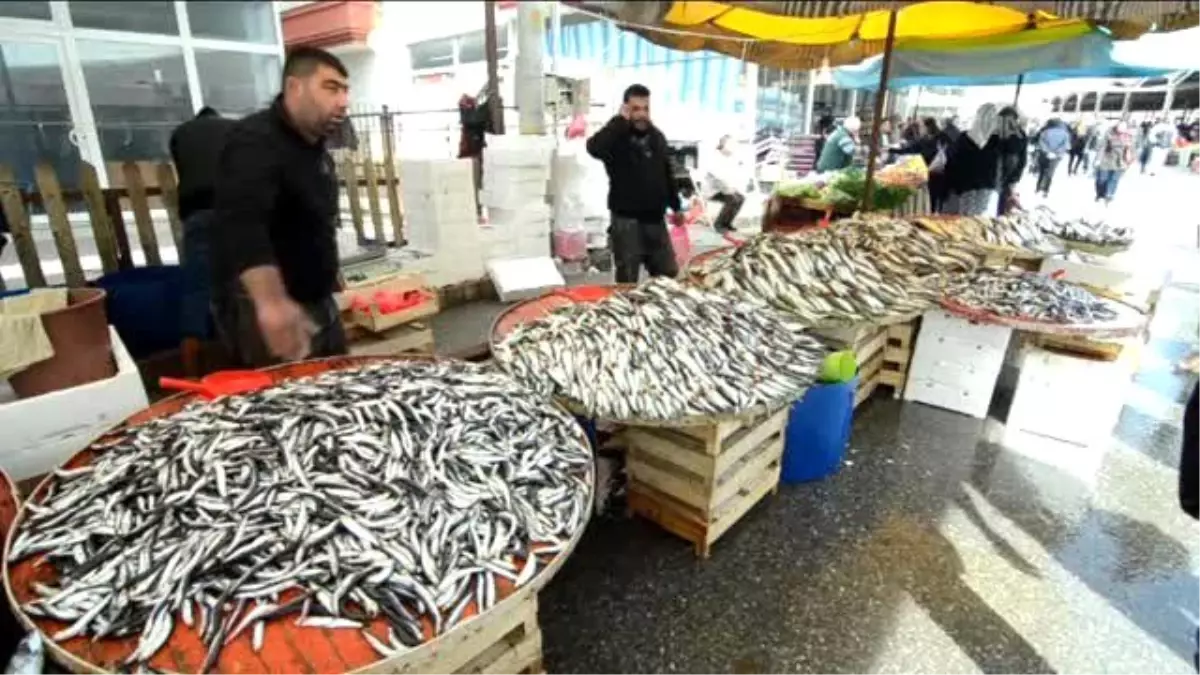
[1099,100]
[530,71]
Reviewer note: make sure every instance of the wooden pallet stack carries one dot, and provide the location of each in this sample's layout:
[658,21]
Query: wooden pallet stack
[373,331]
[697,481]
[883,354]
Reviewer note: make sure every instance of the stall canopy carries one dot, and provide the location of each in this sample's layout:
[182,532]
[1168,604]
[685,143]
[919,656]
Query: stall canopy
[806,35]
[1000,60]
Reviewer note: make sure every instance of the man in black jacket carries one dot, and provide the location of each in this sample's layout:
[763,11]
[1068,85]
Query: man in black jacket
[641,188]
[275,260]
[196,149]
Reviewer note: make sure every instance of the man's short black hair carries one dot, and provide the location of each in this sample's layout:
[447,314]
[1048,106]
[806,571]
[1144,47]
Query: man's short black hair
[636,91]
[303,61]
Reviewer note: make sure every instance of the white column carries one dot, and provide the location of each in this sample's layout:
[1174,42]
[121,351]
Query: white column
[854,103]
[809,93]
[530,72]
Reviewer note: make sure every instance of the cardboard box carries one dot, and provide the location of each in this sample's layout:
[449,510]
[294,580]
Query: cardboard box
[40,433]
[372,319]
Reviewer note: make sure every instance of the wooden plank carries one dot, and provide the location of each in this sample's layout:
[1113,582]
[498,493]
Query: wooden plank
[102,229]
[749,439]
[865,389]
[373,196]
[392,186]
[864,351]
[519,658]
[897,355]
[688,489]
[60,224]
[18,225]
[767,482]
[746,472]
[645,440]
[350,176]
[464,646]
[901,333]
[141,212]
[116,216]
[170,199]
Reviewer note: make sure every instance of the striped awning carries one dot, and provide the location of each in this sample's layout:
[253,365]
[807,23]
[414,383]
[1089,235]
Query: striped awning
[806,34]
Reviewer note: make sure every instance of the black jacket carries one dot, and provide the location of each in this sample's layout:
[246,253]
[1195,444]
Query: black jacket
[998,163]
[196,148]
[277,204]
[641,179]
[1189,492]
[926,146]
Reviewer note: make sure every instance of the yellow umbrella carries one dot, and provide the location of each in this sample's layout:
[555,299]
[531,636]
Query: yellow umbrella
[808,34]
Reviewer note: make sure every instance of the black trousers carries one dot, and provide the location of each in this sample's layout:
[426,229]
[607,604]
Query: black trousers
[237,324]
[731,204]
[1046,167]
[1078,160]
[634,243]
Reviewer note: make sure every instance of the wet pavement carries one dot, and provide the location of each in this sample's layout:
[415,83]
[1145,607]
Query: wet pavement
[934,549]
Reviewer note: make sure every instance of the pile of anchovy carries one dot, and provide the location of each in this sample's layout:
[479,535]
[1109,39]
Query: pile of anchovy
[664,351]
[1081,230]
[855,271]
[382,498]
[1019,230]
[1024,295]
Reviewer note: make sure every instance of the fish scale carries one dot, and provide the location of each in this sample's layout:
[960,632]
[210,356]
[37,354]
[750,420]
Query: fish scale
[333,531]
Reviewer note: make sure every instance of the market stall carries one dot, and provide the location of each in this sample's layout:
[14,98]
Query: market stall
[302,526]
[698,384]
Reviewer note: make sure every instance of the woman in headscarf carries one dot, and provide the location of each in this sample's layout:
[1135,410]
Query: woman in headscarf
[986,160]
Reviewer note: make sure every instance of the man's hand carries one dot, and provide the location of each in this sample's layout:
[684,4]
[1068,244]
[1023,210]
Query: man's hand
[677,219]
[286,328]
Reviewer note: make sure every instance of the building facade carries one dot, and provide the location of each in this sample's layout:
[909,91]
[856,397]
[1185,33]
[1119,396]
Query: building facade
[106,82]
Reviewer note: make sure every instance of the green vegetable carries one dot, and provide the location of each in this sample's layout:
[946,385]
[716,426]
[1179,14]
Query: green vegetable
[845,192]
[798,191]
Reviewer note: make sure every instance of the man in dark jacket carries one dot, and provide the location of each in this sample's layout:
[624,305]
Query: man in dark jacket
[1053,143]
[275,259]
[641,188]
[196,150]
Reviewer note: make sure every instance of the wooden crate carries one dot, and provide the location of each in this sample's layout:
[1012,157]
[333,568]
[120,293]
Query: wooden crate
[371,318]
[696,482]
[500,641]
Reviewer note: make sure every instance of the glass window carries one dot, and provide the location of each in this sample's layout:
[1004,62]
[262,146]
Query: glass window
[237,83]
[244,21]
[432,54]
[473,49]
[138,17]
[25,10]
[35,121]
[139,94]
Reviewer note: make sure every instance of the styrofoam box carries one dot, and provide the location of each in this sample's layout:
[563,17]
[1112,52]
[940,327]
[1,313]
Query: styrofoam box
[449,172]
[521,278]
[1068,398]
[956,363]
[1133,285]
[37,434]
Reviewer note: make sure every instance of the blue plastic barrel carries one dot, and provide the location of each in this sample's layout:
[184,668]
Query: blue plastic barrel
[818,432]
[145,305]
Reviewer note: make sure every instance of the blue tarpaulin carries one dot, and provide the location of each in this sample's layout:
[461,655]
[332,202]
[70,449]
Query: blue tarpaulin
[1093,55]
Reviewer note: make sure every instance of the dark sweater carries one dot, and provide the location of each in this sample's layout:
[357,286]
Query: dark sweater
[641,180]
[277,204]
[196,148]
[1000,162]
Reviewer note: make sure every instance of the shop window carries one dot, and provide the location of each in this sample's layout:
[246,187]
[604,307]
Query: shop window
[25,10]
[137,17]
[432,54]
[472,48]
[237,83]
[139,94]
[241,21]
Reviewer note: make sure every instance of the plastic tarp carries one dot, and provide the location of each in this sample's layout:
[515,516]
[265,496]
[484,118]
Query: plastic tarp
[1001,61]
[807,35]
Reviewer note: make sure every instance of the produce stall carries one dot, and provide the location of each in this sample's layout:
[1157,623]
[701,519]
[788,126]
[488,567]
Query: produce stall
[312,498]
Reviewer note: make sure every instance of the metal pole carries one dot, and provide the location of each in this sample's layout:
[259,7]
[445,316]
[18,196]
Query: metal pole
[491,46]
[869,191]
[1017,96]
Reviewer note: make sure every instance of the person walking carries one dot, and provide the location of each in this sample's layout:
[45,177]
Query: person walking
[641,187]
[1013,151]
[722,183]
[1079,139]
[1113,156]
[274,245]
[1054,142]
[976,167]
[196,148]
[839,150]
